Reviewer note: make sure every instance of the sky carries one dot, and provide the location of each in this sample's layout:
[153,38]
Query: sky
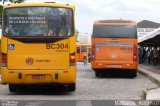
[87,11]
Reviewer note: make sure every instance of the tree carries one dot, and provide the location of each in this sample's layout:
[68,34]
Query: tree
[12,1]
[1,7]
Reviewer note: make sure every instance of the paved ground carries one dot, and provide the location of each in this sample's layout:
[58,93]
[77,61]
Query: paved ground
[153,73]
[151,67]
[90,88]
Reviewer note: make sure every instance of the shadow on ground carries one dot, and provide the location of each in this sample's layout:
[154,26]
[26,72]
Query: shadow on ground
[117,74]
[42,90]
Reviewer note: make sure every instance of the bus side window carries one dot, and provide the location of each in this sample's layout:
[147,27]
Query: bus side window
[83,49]
[78,49]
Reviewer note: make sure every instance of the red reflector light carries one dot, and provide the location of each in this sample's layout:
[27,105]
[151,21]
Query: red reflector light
[72,59]
[135,53]
[93,52]
[4,60]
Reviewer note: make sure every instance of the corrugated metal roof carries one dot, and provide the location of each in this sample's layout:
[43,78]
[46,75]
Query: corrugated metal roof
[147,24]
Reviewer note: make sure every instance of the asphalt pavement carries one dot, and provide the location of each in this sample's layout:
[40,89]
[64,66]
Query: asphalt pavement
[89,88]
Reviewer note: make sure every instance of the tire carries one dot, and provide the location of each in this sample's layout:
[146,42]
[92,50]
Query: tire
[99,74]
[71,87]
[133,74]
[13,88]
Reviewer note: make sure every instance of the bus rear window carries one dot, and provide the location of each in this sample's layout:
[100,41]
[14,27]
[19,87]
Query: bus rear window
[114,31]
[38,21]
[83,49]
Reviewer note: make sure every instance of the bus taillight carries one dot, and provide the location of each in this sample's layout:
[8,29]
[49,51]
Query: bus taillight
[72,59]
[4,60]
[93,52]
[135,53]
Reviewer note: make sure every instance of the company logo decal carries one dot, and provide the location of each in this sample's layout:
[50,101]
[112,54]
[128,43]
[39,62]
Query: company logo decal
[114,55]
[29,60]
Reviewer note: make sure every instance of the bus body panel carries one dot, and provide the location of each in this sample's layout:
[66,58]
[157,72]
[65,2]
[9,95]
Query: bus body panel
[43,55]
[3,44]
[47,76]
[108,50]
[126,65]
[40,5]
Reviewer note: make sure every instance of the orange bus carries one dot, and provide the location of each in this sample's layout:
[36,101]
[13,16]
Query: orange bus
[81,50]
[114,47]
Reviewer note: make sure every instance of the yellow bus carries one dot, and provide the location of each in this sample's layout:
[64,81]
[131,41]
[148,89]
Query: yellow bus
[38,45]
[83,49]
[114,47]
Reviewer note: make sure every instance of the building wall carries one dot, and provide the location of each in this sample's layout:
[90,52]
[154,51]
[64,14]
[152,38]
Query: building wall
[84,38]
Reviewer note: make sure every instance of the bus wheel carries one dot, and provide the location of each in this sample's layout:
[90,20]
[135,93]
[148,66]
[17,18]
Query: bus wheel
[133,74]
[13,88]
[71,87]
[98,74]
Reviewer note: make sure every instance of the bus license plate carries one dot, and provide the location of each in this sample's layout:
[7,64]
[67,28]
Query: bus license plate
[38,77]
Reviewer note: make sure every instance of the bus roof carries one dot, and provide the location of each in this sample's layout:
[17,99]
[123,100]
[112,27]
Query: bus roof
[39,4]
[115,22]
[82,44]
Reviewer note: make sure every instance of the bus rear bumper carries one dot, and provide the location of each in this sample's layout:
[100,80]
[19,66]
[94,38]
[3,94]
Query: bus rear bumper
[38,76]
[114,65]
